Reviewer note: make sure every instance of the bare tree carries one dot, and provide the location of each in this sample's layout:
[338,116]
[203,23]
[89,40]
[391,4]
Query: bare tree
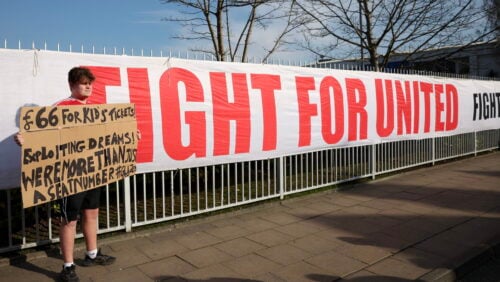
[229,25]
[380,28]
[492,10]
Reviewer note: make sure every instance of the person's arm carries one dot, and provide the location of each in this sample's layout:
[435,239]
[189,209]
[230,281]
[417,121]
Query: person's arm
[19,139]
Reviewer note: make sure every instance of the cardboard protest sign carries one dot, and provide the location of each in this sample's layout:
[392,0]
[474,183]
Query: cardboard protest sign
[71,149]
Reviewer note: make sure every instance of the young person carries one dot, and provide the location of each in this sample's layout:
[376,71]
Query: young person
[85,203]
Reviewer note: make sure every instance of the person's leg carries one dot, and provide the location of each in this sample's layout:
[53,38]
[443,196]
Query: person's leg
[67,233]
[70,208]
[89,227]
[90,211]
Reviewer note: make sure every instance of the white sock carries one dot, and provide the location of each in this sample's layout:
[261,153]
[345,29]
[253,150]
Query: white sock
[92,254]
[67,264]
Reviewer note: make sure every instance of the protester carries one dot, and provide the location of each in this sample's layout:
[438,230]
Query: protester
[85,203]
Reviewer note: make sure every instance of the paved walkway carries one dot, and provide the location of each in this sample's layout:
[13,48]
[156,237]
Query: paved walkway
[422,224]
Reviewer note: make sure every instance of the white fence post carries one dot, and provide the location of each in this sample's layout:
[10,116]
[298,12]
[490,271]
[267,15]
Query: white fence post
[475,143]
[281,175]
[433,150]
[374,160]
[127,206]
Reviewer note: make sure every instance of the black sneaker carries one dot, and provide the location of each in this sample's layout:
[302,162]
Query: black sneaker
[100,259]
[68,274]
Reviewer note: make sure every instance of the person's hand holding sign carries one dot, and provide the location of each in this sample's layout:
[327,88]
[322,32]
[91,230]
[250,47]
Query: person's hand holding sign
[18,138]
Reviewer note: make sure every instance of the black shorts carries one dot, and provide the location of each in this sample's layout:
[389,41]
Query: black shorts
[71,206]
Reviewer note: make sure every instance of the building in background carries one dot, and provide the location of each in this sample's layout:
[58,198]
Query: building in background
[479,59]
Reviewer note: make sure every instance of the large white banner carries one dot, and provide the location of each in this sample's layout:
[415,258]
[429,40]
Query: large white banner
[195,113]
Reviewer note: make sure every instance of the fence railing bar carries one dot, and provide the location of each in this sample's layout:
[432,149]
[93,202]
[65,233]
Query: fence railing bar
[291,174]
[273,60]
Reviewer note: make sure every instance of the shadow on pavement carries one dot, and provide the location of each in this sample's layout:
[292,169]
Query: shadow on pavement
[22,262]
[214,279]
[401,215]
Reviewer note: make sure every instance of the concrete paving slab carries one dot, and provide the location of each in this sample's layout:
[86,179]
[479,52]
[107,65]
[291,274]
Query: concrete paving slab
[398,269]
[302,271]
[314,244]
[300,229]
[204,257]
[126,258]
[162,249]
[129,274]
[127,244]
[337,263]
[443,248]
[215,273]
[252,265]
[280,217]
[239,247]
[228,232]
[270,238]
[284,254]
[166,268]
[197,240]
[420,258]
[90,272]
[364,253]
[256,224]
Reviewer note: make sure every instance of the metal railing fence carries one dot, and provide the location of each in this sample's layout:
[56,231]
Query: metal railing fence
[151,198]
[274,60]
